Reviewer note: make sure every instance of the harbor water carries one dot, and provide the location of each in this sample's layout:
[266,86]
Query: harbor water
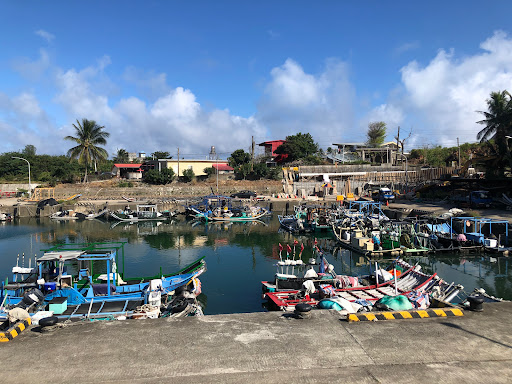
[238,255]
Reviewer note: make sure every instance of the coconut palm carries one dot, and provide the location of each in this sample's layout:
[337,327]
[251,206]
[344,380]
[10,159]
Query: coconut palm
[122,156]
[498,125]
[89,136]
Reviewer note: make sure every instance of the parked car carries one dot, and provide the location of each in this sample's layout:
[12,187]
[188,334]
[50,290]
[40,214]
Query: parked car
[384,194]
[244,194]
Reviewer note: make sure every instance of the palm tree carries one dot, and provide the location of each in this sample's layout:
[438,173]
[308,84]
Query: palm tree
[498,125]
[121,156]
[89,136]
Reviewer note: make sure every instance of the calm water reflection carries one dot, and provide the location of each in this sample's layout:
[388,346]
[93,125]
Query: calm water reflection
[238,255]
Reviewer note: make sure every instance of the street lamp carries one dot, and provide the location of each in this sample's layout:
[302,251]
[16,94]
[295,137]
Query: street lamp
[29,183]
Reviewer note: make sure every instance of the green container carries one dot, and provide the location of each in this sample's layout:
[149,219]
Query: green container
[58,305]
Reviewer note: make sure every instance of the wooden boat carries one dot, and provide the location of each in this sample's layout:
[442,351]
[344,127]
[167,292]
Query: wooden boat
[143,212]
[411,279]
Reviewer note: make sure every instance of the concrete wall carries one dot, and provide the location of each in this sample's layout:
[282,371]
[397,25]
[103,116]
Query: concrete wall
[15,187]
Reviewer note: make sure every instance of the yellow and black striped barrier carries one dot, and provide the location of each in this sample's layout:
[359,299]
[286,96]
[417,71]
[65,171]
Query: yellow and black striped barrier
[398,315]
[15,330]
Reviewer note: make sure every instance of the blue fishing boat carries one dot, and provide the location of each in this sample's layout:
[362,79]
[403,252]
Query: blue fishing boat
[76,281]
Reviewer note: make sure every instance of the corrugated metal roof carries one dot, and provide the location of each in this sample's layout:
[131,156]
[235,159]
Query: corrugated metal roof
[222,167]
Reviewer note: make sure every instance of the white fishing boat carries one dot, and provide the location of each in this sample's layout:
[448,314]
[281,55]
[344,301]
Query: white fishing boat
[143,212]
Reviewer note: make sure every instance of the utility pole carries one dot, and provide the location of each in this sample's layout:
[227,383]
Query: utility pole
[178,163]
[397,145]
[458,146]
[252,153]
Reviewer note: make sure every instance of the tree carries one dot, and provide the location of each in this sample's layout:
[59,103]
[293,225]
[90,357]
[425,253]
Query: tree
[89,137]
[376,134]
[498,125]
[166,176]
[29,151]
[239,157]
[210,171]
[161,155]
[188,175]
[298,146]
[121,156]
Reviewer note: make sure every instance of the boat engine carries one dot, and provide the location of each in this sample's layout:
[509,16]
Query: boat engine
[31,297]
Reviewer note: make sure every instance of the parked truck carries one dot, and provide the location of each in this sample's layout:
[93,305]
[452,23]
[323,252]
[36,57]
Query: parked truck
[479,199]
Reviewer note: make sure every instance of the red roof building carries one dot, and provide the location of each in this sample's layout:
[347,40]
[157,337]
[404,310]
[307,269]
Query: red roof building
[270,149]
[127,171]
[223,168]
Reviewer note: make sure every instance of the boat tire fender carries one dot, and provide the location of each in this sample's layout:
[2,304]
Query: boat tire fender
[48,321]
[303,307]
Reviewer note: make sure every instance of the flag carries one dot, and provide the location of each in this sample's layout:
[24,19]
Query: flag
[280,247]
[301,247]
[288,248]
[322,265]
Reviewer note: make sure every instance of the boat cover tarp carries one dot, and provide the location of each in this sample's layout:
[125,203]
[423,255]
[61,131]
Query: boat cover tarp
[102,289]
[443,228]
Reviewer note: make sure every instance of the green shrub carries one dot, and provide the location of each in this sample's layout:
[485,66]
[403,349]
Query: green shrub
[188,175]
[154,177]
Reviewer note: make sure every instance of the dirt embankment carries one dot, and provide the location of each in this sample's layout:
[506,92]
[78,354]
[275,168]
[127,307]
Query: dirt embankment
[113,189]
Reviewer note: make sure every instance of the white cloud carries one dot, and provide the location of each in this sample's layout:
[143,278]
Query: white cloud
[45,35]
[295,101]
[406,47]
[32,69]
[439,101]
[174,119]
[22,122]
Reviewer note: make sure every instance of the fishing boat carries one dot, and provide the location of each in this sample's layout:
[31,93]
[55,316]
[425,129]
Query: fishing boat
[5,217]
[293,224]
[353,239]
[76,281]
[203,207]
[246,213]
[411,279]
[292,272]
[143,212]
[73,215]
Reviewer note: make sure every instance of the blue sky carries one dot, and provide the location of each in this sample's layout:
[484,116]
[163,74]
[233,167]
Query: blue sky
[166,74]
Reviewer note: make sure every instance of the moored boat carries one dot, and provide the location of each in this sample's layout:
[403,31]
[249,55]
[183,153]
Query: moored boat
[411,279]
[82,281]
[143,212]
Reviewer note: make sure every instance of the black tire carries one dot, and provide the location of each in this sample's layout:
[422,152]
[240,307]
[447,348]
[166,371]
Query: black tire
[303,307]
[48,321]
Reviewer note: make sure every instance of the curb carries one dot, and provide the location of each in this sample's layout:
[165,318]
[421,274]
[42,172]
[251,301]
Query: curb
[15,330]
[399,315]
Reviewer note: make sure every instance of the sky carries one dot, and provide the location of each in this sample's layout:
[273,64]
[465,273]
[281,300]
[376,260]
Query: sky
[163,75]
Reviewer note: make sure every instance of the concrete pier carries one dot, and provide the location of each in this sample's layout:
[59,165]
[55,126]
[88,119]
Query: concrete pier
[268,348]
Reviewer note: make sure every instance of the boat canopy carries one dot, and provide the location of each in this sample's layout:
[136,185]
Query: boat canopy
[60,256]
